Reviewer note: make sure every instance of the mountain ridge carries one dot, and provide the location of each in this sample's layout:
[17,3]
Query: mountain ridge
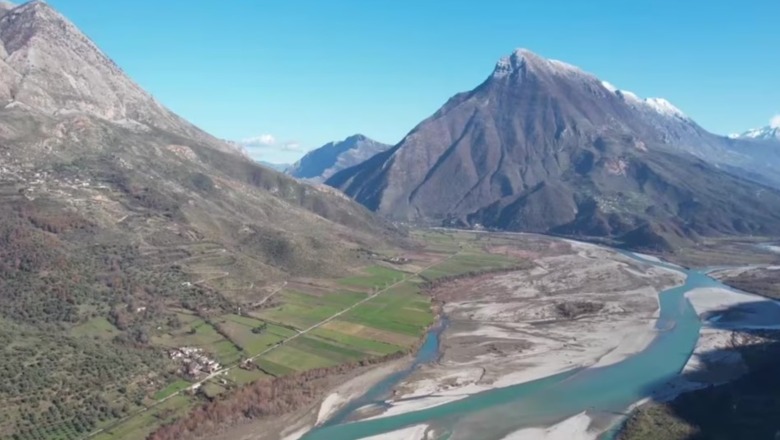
[49,65]
[538,130]
[321,163]
[767,133]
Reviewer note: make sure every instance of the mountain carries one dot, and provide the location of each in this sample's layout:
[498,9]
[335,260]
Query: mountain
[759,150]
[50,67]
[121,222]
[281,167]
[768,133]
[320,164]
[542,146]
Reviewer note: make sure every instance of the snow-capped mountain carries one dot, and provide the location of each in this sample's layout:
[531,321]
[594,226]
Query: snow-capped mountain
[544,146]
[769,133]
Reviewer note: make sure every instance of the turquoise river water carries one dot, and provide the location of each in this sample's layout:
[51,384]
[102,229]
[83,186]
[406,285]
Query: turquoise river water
[496,413]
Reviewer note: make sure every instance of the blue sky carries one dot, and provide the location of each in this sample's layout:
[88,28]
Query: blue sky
[295,74]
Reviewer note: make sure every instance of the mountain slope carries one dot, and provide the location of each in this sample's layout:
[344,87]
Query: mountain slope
[320,164]
[50,66]
[543,146]
[121,223]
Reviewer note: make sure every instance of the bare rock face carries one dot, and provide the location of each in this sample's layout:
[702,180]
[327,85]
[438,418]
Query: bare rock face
[49,66]
[543,146]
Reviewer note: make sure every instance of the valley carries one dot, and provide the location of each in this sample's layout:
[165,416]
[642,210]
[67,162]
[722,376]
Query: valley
[546,256]
[510,371]
[304,324]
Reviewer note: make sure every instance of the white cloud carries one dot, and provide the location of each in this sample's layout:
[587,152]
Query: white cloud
[775,121]
[264,140]
[268,148]
[292,146]
[268,142]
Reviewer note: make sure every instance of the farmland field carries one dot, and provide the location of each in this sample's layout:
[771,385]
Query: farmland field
[402,309]
[377,276]
[145,423]
[240,329]
[178,385]
[301,310]
[466,263]
[375,311]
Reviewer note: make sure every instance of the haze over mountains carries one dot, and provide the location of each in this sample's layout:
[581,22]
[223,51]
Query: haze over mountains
[543,146]
[281,167]
[319,164]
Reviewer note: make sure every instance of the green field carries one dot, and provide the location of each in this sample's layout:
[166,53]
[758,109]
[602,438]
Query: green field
[239,376]
[240,330]
[302,311]
[272,368]
[377,276]
[439,241]
[173,387]
[226,352]
[95,327]
[326,349]
[390,322]
[468,262]
[212,389]
[401,309]
[145,423]
[368,346]
[298,359]
[194,332]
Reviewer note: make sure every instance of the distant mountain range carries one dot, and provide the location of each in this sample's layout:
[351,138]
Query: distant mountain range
[321,163]
[544,146]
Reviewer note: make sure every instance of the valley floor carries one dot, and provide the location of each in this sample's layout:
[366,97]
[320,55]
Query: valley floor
[520,307]
[580,306]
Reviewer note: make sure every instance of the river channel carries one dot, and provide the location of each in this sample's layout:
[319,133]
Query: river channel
[497,413]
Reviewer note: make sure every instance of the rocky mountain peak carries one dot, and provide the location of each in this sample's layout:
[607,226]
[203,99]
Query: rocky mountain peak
[770,132]
[59,69]
[37,19]
[523,60]
[357,138]
[321,163]
[514,62]
[49,66]
[763,133]
[542,145]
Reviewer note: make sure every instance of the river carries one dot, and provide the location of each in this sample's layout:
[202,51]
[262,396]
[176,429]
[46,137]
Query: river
[496,413]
